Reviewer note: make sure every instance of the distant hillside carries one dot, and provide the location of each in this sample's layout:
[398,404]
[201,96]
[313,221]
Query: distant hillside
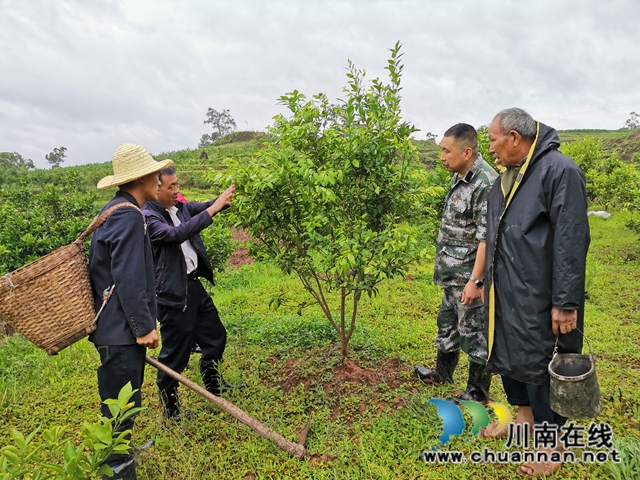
[428,152]
[196,173]
[625,142]
[196,165]
[628,146]
[572,135]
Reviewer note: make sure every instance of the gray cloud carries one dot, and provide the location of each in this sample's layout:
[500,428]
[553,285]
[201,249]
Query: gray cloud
[90,75]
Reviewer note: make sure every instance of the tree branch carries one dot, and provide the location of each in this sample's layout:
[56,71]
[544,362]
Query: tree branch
[319,299]
[342,306]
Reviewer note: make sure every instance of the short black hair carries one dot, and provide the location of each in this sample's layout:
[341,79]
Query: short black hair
[129,185]
[125,187]
[464,135]
[166,171]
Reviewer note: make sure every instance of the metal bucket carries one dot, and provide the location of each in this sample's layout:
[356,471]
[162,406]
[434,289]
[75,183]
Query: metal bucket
[575,392]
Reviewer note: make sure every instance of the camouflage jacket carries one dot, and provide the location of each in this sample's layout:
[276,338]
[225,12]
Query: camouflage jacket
[463,224]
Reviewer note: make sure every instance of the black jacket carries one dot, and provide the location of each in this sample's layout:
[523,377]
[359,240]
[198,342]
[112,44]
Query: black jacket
[170,266]
[120,254]
[536,257]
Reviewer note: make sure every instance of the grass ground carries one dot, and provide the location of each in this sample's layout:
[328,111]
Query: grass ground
[370,417]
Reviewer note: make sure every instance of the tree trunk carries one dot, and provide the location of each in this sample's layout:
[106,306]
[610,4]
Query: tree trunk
[344,344]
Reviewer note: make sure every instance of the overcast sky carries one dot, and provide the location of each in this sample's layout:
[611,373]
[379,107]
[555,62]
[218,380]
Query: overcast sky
[89,75]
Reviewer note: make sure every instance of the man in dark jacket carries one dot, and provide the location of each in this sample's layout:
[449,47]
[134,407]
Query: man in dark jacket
[121,265]
[537,242]
[187,314]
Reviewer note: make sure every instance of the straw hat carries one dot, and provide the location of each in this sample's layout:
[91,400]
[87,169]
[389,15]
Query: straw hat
[131,162]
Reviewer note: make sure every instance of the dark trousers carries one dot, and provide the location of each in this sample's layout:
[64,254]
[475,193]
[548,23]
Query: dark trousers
[535,396]
[120,364]
[179,330]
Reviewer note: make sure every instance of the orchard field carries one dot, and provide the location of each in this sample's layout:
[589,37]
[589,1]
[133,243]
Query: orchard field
[370,417]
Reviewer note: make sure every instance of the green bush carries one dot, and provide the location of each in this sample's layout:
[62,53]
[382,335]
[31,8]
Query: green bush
[217,242]
[483,148]
[37,221]
[610,181]
[56,456]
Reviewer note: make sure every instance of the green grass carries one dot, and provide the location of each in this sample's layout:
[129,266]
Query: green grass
[364,425]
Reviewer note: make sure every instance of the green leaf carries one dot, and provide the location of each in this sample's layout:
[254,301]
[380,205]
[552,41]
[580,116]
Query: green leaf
[11,457]
[69,452]
[125,394]
[105,470]
[130,413]
[351,258]
[102,433]
[19,439]
[113,409]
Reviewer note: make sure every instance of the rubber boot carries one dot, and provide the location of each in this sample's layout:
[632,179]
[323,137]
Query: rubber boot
[443,373]
[478,384]
[171,405]
[123,471]
[213,381]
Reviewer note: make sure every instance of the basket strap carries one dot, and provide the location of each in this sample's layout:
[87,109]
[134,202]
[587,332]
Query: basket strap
[106,295]
[99,220]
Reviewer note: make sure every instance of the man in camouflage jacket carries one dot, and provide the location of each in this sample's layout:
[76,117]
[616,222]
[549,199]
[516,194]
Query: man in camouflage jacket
[459,264]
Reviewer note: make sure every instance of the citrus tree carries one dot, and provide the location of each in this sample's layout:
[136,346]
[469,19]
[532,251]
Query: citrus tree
[36,220]
[329,196]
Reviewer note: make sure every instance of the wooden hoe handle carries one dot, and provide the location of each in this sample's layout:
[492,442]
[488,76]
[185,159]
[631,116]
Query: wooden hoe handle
[295,449]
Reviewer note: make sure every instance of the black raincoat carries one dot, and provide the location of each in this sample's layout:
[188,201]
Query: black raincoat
[536,256]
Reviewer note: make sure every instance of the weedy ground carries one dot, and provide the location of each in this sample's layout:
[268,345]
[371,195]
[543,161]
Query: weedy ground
[370,417]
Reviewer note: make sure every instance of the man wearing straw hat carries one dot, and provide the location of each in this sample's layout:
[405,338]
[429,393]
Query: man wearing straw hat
[537,242]
[121,263]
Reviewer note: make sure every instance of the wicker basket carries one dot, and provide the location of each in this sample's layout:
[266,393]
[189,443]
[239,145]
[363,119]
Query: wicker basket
[50,300]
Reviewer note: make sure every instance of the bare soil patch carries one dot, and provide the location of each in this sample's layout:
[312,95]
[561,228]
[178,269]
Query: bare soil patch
[368,389]
[320,460]
[240,255]
[240,235]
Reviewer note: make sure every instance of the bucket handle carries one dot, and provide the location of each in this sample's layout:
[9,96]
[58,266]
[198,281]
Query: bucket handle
[555,348]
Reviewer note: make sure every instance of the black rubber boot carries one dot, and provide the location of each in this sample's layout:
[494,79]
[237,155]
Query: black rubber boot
[443,373]
[171,405]
[123,471]
[213,381]
[478,384]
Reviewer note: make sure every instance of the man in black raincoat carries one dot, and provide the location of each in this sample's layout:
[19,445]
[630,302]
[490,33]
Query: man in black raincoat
[537,242]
